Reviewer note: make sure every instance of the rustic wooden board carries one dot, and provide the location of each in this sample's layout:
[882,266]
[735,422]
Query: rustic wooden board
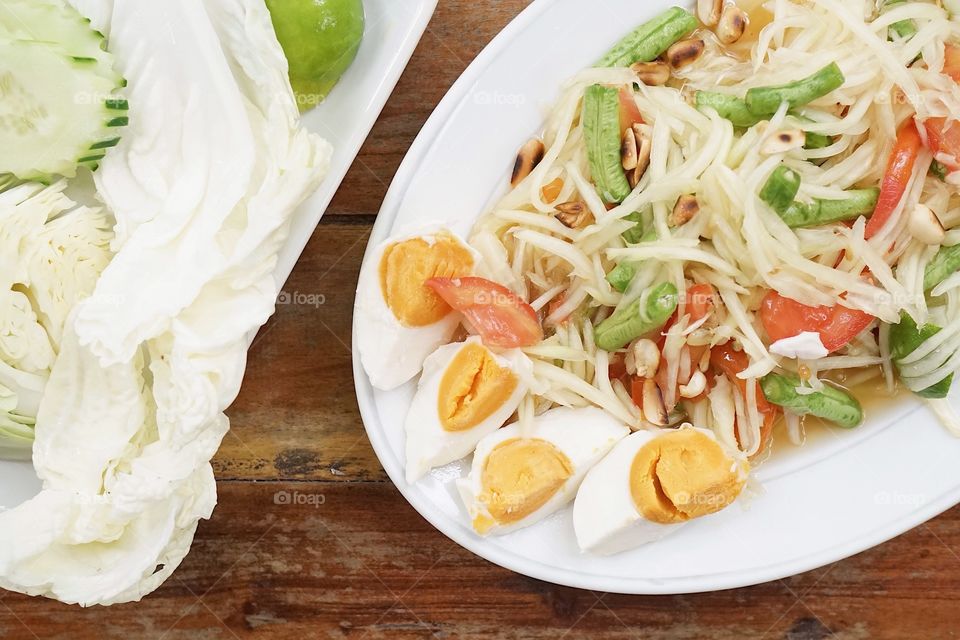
[352,560]
[311,541]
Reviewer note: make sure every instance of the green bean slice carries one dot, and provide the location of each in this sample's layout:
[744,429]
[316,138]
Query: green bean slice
[634,233]
[905,28]
[601,129]
[816,141]
[728,107]
[831,403]
[621,276]
[639,318]
[781,189]
[944,264]
[764,101]
[649,40]
[905,338]
[859,202]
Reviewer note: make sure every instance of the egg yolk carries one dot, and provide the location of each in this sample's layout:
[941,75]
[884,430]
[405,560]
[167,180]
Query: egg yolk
[519,476]
[682,475]
[406,266]
[473,387]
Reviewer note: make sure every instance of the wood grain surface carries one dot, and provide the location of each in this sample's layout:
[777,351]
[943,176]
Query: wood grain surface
[310,540]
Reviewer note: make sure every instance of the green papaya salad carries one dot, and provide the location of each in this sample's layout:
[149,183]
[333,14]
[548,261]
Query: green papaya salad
[743,216]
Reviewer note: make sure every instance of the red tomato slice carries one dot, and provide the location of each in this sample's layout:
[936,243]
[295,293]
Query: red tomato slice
[731,363]
[943,136]
[895,180]
[499,315]
[785,318]
[629,111]
[636,391]
[700,300]
[617,368]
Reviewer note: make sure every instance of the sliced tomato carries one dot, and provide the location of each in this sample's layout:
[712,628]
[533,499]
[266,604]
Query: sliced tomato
[730,362]
[943,136]
[897,176]
[785,318]
[700,300]
[629,111]
[617,368]
[551,191]
[500,316]
[636,391]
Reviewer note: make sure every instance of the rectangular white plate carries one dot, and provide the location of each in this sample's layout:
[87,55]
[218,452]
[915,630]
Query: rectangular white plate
[394,28]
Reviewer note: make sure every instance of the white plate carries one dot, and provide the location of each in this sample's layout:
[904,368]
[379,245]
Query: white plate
[837,496]
[394,27]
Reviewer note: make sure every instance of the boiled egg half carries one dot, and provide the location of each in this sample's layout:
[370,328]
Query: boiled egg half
[521,475]
[650,484]
[466,392]
[400,320]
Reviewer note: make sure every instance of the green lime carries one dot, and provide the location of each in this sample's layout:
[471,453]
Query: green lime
[320,39]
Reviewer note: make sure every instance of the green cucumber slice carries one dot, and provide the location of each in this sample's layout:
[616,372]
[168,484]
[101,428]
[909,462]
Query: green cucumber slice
[59,107]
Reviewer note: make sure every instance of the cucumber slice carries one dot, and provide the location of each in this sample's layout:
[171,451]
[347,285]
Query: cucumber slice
[59,107]
[54,23]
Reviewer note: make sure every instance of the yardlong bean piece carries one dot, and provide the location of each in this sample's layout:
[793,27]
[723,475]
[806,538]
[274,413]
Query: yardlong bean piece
[728,107]
[621,276]
[830,404]
[817,141]
[944,264]
[651,39]
[814,140]
[858,202]
[764,101]
[781,189]
[634,234]
[904,28]
[601,129]
[637,319]
[905,338]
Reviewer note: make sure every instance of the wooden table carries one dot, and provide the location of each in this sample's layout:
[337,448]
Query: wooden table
[310,539]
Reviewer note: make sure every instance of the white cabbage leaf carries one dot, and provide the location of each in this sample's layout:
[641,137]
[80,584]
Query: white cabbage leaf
[51,254]
[202,187]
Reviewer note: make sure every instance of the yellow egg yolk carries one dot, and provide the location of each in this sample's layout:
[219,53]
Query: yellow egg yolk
[406,266]
[519,476]
[473,387]
[682,475]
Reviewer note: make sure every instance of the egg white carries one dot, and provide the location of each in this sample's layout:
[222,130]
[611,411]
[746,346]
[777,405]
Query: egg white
[429,445]
[391,353]
[585,436]
[605,519]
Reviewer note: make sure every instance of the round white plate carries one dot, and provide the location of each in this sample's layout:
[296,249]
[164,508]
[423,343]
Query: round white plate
[842,493]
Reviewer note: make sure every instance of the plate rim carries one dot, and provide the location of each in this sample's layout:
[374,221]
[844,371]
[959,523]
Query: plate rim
[319,202]
[513,562]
